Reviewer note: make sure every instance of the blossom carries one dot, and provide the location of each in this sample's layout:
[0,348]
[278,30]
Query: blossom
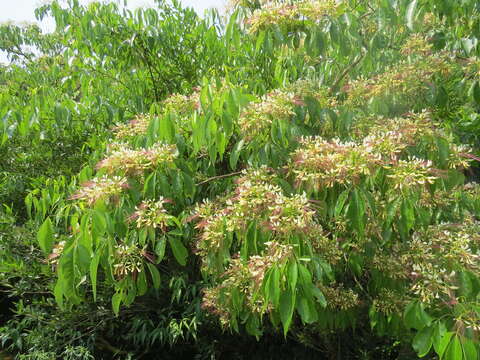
[389,302]
[416,45]
[319,162]
[282,14]
[181,105]
[339,298]
[432,259]
[134,162]
[56,252]
[104,187]
[257,118]
[152,214]
[410,173]
[128,260]
[402,79]
[460,156]
[392,137]
[135,127]
[246,278]
[255,200]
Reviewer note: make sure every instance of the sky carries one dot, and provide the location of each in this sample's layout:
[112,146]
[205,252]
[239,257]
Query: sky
[20,11]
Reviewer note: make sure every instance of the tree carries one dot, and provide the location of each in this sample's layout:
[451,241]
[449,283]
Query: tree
[311,178]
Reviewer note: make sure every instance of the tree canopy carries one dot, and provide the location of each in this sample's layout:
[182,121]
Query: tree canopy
[303,170]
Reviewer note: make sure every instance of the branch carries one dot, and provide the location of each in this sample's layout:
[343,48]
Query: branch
[219,177]
[346,71]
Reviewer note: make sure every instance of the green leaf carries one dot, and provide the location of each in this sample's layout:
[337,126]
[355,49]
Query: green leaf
[465,284]
[58,293]
[304,275]
[155,275]
[443,344]
[141,283]
[45,236]
[443,147]
[99,223]
[274,286]
[160,248]
[179,251]
[441,97]
[116,301]
[306,309]
[260,40]
[469,349]
[317,293]
[293,274]
[415,316]
[253,326]
[408,215]
[454,350]
[93,273]
[150,185]
[475,92]
[287,305]
[341,202]
[235,154]
[167,128]
[356,212]
[438,333]
[423,340]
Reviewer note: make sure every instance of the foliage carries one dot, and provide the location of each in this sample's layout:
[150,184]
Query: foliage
[303,170]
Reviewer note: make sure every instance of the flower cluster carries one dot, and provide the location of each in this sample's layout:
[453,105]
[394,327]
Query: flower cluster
[255,199]
[409,173]
[56,253]
[389,302]
[152,214]
[214,303]
[460,156]
[326,247]
[339,298]
[128,260]
[290,214]
[416,45]
[405,79]
[276,254]
[135,127]
[390,137]
[286,14]
[134,162]
[319,162]
[309,88]
[257,117]
[182,105]
[433,258]
[246,277]
[104,187]
[440,198]
[472,191]
[212,236]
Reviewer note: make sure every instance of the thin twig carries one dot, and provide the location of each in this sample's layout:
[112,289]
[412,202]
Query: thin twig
[346,71]
[219,177]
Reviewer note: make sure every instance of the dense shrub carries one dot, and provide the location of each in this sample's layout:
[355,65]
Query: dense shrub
[305,171]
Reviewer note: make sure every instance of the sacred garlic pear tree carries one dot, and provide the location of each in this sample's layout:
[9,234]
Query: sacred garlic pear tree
[319,179]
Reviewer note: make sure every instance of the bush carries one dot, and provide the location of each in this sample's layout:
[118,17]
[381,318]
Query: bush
[312,181]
